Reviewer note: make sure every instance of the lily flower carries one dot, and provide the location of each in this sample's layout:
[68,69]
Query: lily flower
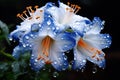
[65,17]
[89,46]
[46,42]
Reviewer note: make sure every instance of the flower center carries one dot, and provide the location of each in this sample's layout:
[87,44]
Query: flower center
[93,50]
[46,44]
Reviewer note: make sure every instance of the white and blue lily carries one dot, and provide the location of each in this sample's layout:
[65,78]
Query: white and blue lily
[90,45]
[47,43]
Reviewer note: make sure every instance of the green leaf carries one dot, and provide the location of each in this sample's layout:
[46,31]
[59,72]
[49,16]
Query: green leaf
[5,30]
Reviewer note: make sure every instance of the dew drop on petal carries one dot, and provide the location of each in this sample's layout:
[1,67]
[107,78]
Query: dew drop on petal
[94,70]
[55,62]
[48,23]
[10,39]
[27,37]
[83,69]
[55,74]
[44,69]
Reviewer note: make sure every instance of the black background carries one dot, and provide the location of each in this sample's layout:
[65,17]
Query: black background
[107,10]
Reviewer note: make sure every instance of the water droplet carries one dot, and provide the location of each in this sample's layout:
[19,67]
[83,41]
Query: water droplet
[53,28]
[27,44]
[39,25]
[31,35]
[24,45]
[59,58]
[65,58]
[43,61]
[55,62]
[30,46]
[63,68]
[36,60]
[94,70]
[35,64]
[54,33]
[84,61]
[48,22]
[27,37]
[55,74]
[44,69]
[57,28]
[10,39]
[82,69]
[48,28]
[62,38]
[67,51]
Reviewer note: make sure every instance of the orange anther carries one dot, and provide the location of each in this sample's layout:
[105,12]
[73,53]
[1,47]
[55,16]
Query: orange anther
[24,12]
[68,3]
[73,6]
[20,16]
[41,10]
[36,7]
[37,17]
[30,9]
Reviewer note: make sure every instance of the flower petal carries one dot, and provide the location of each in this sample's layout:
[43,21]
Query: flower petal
[18,50]
[79,60]
[92,54]
[59,60]
[36,63]
[99,41]
[64,42]
[95,27]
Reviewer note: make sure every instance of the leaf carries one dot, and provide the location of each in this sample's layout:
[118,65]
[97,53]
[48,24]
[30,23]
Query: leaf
[5,30]
[7,55]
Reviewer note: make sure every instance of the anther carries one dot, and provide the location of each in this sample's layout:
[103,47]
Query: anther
[67,9]
[78,8]
[20,16]
[68,3]
[37,17]
[36,7]
[73,6]
[24,12]
[30,9]
[41,10]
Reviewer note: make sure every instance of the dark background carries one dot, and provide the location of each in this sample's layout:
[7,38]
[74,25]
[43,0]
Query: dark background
[107,10]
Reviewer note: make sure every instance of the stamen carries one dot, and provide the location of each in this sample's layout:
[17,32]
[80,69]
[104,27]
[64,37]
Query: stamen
[41,10]
[68,3]
[46,43]
[45,59]
[24,12]
[89,48]
[75,8]
[37,17]
[20,16]
[36,7]
[30,10]
[30,18]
